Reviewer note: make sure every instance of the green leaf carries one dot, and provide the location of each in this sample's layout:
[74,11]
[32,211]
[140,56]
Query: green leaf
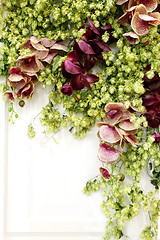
[55,63]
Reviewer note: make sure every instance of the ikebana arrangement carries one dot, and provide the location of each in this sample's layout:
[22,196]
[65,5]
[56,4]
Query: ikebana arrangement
[102,62]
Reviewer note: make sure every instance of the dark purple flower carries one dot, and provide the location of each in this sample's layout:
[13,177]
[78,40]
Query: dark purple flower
[156,137]
[67,90]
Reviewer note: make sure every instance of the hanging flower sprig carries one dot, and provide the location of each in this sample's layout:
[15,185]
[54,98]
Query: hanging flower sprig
[116,129]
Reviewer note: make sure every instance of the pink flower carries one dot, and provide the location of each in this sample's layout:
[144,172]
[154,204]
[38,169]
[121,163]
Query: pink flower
[17,78]
[156,137]
[27,91]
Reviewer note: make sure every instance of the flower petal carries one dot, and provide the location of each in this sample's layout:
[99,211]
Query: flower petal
[89,61]
[58,46]
[50,57]
[47,43]
[18,80]
[34,40]
[132,140]
[107,153]
[151,5]
[109,134]
[95,30]
[72,56]
[39,47]
[127,125]
[140,26]
[120,2]
[42,54]
[156,16]
[26,91]
[103,46]
[91,78]
[132,37]
[105,172]
[77,83]
[71,67]
[141,9]
[15,70]
[85,47]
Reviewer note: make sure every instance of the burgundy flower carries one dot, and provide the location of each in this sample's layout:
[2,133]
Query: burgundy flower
[71,68]
[153,83]
[67,90]
[156,137]
[105,172]
[151,100]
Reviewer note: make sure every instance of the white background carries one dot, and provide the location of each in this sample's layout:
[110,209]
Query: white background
[41,182]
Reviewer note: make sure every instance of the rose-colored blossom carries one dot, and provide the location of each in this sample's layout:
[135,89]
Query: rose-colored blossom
[67,90]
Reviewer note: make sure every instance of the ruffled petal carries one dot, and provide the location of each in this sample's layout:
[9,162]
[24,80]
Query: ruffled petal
[132,37]
[151,5]
[156,16]
[58,46]
[109,134]
[47,43]
[103,46]
[140,26]
[127,125]
[18,80]
[120,2]
[107,153]
[105,172]
[132,140]
[16,70]
[27,91]
[85,47]
[72,56]
[34,40]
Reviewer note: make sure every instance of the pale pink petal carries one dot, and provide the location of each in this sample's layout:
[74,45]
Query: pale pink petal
[99,124]
[39,47]
[34,40]
[27,91]
[107,153]
[42,54]
[105,172]
[109,134]
[39,64]
[141,9]
[17,80]
[140,26]
[151,5]
[127,125]
[58,46]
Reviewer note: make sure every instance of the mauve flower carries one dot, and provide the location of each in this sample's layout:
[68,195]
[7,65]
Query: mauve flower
[27,91]
[30,64]
[117,127]
[44,49]
[156,137]
[107,154]
[138,14]
[10,95]
[105,172]
[153,83]
[17,78]
[67,90]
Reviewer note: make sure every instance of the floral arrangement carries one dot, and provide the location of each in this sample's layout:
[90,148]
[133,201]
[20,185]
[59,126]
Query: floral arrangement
[101,60]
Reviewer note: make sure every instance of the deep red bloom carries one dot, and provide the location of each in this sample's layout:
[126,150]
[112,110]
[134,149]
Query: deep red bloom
[156,137]
[67,90]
